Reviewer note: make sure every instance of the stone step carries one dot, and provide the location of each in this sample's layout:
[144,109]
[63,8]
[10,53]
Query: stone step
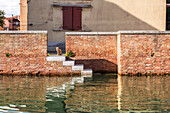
[56,58]
[87,72]
[78,67]
[69,63]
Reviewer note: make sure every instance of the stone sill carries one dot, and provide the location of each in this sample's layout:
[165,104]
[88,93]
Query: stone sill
[23,32]
[86,30]
[69,5]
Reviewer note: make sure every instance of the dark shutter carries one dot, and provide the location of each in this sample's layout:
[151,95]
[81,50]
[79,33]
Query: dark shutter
[77,13]
[67,18]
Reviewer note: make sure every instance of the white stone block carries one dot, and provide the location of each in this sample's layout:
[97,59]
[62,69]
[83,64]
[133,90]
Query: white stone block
[87,73]
[77,67]
[69,63]
[56,58]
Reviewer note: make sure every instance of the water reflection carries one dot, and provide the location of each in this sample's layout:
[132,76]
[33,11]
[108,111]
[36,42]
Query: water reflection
[22,94]
[101,94]
[119,83]
[56,93]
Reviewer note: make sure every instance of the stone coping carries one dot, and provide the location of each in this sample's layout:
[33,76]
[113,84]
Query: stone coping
[144,32]
[119,32]
[91,33]
[23,32]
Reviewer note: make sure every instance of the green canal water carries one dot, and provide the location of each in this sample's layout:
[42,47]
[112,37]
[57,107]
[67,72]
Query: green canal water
[99,94]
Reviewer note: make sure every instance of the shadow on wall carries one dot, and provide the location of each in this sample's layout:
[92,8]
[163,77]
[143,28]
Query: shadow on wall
[107,16]
[104,16]
[98,65]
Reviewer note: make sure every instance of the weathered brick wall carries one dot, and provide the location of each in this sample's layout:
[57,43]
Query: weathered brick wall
[144,52]
[27,51]
[28,54]
[129,52]
[97,51]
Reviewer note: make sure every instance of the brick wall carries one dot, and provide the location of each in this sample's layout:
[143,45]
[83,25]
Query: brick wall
[97,51]
[143,52]
[28,54]
[129,52]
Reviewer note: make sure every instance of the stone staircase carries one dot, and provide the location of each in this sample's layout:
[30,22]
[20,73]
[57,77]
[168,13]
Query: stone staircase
[84,72]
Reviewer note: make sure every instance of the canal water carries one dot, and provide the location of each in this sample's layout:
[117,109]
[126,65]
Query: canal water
[99,94]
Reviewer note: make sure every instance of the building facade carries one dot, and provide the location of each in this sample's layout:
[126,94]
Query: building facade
[59,16]
[12,23]
[6,25]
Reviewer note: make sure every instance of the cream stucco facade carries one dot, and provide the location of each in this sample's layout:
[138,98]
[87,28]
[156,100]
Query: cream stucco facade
[23,15]
[103,16]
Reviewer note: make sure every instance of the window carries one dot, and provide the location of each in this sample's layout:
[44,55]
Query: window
[17,23]
[72,18]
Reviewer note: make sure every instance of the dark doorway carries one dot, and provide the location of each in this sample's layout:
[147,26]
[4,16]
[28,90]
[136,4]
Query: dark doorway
[168,15]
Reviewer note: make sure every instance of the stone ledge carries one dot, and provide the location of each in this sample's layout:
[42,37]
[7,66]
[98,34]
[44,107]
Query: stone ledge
[23,32]
[119,32]
[144,32]
[87,72]
[70,5]
[69,63]
[56,58]
[91,33]
[78,67]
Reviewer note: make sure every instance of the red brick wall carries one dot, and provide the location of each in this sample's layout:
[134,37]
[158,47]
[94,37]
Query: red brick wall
[135,53]
[95,51]
[28,54]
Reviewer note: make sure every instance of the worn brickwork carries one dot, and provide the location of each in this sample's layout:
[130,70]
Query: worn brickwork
[144,53]
[95,51]
[26,53]
[141,52]
[127,53]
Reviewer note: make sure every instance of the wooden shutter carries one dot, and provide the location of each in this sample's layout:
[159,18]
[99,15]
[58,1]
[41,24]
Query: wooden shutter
[67,18]
[77,14]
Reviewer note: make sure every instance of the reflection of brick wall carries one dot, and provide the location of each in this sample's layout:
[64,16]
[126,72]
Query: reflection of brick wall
[102,93]
[143,53]
[95,51]
[28,54]
[139,88]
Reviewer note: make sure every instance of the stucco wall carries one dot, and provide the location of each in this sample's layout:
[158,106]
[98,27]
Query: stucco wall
[97,51]
[115,15]
[144,52]
[23,15]
[104,15]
